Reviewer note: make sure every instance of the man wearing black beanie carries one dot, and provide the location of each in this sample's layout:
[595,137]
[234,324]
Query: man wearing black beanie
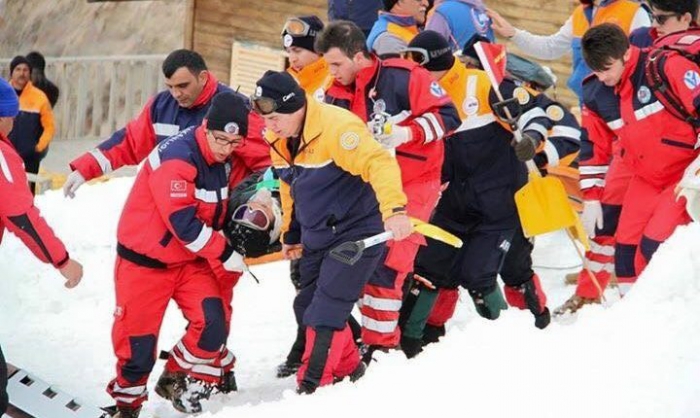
[345,188]
[34,126]
[307,67]
[170,246]
[483,170]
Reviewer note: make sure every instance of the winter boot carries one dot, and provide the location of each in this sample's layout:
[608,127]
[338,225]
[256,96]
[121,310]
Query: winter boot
[573,304]
[170,385]
[228,383]
[433,333]
[529,295]
[358,372]
[190,399]
[127,412]
[411,347]
[287,369]
[367,351]
[489,303]
[307,388]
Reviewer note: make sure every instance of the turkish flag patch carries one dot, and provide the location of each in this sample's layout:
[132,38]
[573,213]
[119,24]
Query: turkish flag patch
[178,188]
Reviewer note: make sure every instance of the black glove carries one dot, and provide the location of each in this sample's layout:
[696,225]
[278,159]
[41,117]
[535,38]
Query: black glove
[525,149]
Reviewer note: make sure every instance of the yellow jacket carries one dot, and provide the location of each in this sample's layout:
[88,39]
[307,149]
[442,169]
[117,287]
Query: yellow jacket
[34,125]
[341,179]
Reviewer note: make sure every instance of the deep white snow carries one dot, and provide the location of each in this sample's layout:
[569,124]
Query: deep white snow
[637,357]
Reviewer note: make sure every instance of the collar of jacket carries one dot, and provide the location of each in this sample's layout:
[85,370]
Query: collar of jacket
[208,91]
[311,75]
[401,20]
[366,75]
[311,130]
[200,135]
[630,66]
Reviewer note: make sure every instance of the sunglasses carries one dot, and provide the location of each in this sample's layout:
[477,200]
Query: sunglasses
[662,18]
[297,27]
[250,217]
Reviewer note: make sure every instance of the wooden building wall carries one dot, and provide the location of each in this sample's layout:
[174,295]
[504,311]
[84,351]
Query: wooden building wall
[213,25]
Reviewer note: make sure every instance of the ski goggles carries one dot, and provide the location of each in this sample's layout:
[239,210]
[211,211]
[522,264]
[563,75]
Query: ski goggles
[252,217]
[263,105]
[297,27]
[418,55]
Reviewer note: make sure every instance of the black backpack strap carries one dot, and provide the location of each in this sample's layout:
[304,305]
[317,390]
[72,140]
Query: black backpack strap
[658,81]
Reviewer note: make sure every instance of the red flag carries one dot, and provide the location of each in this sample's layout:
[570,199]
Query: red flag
[493,59]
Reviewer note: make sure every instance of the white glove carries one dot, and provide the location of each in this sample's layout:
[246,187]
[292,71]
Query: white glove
[592,216]
[394,136]
[235,263]
[689,187]
[73,182]
[691,176]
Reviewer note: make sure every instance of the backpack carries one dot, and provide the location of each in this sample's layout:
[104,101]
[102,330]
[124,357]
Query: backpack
[686,44]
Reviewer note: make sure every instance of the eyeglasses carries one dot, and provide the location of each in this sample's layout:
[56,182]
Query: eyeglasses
[223,141]
[662,18]
[263,105]
[250,217]
[297,27]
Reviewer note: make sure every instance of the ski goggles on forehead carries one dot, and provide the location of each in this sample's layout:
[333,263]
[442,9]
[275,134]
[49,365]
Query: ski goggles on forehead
[263,105]
[297,27]
[253,218]
[418,55]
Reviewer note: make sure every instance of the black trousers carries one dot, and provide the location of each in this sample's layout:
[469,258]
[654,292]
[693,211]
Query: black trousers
[31,165]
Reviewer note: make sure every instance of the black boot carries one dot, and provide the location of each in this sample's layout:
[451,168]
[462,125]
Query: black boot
[287,369]
[411,347]
[532,300]
[127,412]
[228,383]
[293,362]
[432,333]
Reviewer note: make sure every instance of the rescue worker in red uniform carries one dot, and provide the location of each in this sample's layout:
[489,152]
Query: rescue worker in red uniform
[336,185]
[19,215]
[409,114]
[169,247]
[656,146]
[191,87]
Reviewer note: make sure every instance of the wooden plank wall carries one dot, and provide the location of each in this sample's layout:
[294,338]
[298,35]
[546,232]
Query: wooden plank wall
[216,23]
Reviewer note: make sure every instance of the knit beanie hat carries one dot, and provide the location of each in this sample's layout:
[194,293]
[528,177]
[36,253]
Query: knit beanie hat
[303,41]
[228,113]
[283,89]
[17,61]
[440,57]
[9,103]
[389,4]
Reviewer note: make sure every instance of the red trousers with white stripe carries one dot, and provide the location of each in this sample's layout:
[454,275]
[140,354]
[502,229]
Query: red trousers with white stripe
[381,302]
[142,296]
[600,259]
[649,216]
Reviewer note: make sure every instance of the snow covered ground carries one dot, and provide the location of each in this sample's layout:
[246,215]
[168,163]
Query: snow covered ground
[639,357]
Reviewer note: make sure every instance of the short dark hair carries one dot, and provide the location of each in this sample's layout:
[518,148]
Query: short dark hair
[344,35]
[677,6]
[602,44]
[183,58]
